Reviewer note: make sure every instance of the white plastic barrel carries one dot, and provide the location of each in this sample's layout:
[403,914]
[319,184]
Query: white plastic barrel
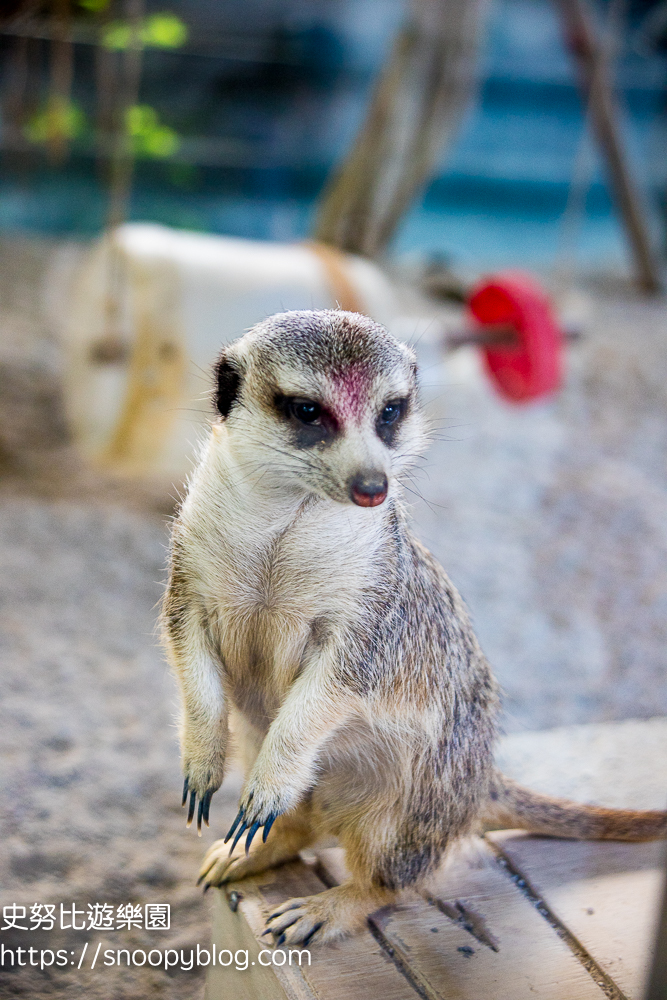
[147,309]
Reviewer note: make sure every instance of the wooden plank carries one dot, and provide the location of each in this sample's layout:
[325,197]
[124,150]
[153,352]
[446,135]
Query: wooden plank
[657,980]
[606,893]
[352,968]
[447,962]
[236,930]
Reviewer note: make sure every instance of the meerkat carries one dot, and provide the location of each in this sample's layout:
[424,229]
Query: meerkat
[300,603]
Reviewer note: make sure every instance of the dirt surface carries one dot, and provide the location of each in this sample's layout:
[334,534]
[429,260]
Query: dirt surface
[621,765]
[90,800]
[550,520]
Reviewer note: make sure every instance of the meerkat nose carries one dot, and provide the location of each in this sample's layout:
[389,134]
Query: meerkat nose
[369,489]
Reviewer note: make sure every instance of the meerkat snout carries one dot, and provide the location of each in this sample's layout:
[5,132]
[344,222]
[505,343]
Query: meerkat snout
[369,488]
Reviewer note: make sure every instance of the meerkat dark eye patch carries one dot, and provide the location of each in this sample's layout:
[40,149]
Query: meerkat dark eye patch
[311,423]
[389,419]
[227,385]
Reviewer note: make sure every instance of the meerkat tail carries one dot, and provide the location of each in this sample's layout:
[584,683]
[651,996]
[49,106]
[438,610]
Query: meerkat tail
[512,807]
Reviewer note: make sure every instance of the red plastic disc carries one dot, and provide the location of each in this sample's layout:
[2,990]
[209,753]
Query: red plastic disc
[533,367]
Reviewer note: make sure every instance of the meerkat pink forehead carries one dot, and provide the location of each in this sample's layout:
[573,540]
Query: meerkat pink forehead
[349,350]
[350,391]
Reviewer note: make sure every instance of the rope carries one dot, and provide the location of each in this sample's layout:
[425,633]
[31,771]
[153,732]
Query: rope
[335,264]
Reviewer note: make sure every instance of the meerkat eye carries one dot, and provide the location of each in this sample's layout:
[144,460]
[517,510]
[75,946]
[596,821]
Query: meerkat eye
[391,413]
[388,421]
[306,411]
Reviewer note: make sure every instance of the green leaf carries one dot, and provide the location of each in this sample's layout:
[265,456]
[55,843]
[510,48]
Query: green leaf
[158,31]
[161,143]
[149,137]
[118,35]
[60,119]
[164,31]
[141,119]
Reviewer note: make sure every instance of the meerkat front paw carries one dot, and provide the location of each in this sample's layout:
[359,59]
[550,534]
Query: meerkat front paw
[204,803]
[261,804]
[292,833]
[219,866]
[253,813]
[203,778]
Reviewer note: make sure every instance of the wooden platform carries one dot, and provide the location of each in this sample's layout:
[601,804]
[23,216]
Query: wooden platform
[522,918]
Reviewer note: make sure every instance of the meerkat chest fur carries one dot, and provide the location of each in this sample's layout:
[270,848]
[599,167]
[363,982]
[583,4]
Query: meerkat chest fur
[273,567]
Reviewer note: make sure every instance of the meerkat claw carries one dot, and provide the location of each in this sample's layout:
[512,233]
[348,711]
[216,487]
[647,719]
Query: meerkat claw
[207,805]
[204,807]
[248,821]
[191,807]
[236,822]
[278,932]
[251,833]
[294,904]
[241,830]
[186,785]
[306,941]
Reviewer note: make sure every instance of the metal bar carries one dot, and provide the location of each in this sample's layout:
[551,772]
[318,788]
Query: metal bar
[62,68]
[122,160]
[499,335]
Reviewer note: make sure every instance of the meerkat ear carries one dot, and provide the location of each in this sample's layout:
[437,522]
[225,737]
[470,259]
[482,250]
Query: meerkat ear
[227,384]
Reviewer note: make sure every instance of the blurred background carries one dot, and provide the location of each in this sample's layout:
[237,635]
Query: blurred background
[239,112]
[171,174]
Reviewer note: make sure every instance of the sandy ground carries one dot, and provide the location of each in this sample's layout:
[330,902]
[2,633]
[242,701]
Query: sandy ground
[90,779]
[551,521]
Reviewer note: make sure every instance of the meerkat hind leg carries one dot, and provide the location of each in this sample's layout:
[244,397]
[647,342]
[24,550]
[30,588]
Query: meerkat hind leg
[328,916]
[288,836]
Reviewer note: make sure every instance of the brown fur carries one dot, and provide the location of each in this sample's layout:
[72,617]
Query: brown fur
[510,805]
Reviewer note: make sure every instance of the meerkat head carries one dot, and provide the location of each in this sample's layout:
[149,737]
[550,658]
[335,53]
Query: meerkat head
[324,402]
